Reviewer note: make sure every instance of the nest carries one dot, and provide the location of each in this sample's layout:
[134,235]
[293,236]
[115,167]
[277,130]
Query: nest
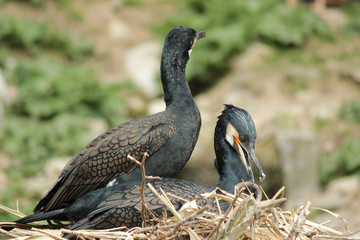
[246,218]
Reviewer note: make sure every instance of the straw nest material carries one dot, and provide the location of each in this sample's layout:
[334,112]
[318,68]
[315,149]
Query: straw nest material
[246,218]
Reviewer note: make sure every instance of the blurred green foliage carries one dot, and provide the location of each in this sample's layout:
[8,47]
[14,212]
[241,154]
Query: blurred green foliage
[33,142]
[320,123]
[232,27]
[47,88]
[47,116]
[54,102]
[296,84]
[345,161]
[33,36]
[353,12]
[351,111]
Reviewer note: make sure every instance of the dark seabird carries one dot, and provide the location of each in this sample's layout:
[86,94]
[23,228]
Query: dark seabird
[120,205]
[168,137]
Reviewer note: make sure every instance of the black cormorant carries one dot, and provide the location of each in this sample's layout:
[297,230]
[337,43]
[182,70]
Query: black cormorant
[168,137]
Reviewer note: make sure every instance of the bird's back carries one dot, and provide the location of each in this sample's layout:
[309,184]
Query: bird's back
[123,206]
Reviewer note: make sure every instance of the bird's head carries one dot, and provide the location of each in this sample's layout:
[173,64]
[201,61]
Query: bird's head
[236,126]
[180,41]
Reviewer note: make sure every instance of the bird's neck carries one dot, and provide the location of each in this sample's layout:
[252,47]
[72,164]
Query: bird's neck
[231,171]
[176,89]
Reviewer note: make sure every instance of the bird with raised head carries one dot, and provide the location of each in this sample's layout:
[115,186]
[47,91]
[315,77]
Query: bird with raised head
[169,137]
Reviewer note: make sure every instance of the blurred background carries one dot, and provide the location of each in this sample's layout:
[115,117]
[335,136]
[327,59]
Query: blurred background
[70,70]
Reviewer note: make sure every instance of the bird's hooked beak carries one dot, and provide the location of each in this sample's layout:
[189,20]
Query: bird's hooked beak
[199,35]
[232,136]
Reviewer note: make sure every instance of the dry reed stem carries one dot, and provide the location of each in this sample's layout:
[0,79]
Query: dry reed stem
[240,218]
[279,193]
[295,231]
[48,233]
[171,207]
[143,179]
[12,211]
[7,233]
[189,218]
[108,234]
[226,214]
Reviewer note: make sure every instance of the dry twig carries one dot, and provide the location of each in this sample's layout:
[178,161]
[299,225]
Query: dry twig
[142,188]
[295,231]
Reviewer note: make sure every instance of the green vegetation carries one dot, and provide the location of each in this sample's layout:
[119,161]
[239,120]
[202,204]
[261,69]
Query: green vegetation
[353,12]
[351,111]
[320,123]
[47,117]
[233,26]
[296,83]
[48,88]
[33,36]
[345,161]
[54,100]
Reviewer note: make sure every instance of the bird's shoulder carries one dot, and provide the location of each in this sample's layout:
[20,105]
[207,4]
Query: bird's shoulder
[134,134]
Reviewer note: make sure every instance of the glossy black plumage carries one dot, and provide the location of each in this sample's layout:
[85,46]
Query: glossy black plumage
[161,135]
[120,205]
[123,206]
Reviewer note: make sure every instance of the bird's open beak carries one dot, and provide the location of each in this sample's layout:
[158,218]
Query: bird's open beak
[199,35]
[245,152]
[245,159]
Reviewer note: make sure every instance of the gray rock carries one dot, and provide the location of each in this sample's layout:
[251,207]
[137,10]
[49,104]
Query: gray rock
[342,197]
[298,159]
[345,186]
[142,64]
[339,192]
